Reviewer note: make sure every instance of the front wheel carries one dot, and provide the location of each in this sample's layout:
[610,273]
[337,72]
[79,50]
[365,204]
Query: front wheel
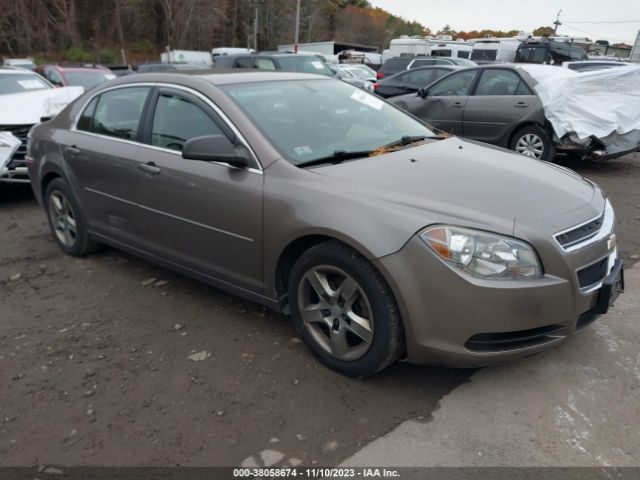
[344,311]
[534,142]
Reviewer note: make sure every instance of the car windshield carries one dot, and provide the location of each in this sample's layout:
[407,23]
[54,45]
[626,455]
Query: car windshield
[20,83]
[87,79]
[304,64]
[311,119]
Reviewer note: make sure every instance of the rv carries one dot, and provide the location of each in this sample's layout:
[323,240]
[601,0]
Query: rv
[438,46]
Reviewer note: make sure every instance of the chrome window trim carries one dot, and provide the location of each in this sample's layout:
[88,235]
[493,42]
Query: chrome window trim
[605,230]
[201,96]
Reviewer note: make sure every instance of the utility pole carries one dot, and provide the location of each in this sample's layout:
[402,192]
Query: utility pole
[295,46]
[255,30]
[557,23]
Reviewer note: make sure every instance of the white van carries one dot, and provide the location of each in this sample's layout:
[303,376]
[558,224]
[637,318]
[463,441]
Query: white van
[441,46]
[216,52]
[494,50]
[194,57]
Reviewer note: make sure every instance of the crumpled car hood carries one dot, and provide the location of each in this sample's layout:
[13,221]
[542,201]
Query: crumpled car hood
[474,183]
[29,107]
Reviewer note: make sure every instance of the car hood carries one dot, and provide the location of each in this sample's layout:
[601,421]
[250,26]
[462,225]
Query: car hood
[465,182]
[28,108]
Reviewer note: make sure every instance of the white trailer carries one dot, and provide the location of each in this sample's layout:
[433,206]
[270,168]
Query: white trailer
[187,56]
[495,50]
[439,46]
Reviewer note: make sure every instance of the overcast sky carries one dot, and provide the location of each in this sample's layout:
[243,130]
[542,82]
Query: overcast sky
[527,16]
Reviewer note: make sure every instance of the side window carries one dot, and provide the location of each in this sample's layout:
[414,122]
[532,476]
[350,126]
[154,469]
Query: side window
[177,120]
[439,72]
[457,85]
[523,89]
[265,64]
[463,54]
[54,78]
[118,112]
[84,122]
[498,82]
[420,78]
[422,63]
[244,62]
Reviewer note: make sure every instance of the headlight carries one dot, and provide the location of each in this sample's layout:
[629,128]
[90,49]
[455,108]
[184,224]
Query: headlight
[483,254]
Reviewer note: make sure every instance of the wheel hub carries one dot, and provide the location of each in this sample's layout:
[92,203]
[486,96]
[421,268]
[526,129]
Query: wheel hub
[336,312]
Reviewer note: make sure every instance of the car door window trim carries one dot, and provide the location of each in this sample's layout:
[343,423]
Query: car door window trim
[258,167]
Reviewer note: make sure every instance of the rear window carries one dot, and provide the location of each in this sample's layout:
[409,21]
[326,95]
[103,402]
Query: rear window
[88,79]
[484,55]
[21,83]
[297,63]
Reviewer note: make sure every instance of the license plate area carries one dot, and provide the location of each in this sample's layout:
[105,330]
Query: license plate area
[612,287]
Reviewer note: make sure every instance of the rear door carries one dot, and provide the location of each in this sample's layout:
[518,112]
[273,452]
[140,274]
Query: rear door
[203,215]
[101,153]
[501,99]
[444,105]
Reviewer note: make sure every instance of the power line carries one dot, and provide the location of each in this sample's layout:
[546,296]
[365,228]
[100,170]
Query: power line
[615,21]
[591,34]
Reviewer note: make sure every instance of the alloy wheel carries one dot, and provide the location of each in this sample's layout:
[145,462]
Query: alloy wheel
[530,145]
[63,219]
[336,312]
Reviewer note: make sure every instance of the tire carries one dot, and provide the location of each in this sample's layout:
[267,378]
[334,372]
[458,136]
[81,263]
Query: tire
[68,226]
[355,326]
[529,140]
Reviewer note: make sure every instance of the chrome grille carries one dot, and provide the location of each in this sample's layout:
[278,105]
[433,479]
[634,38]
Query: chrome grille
[20,132]
[581,233]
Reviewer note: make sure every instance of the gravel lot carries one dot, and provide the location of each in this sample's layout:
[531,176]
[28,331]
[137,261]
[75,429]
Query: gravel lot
[95,368]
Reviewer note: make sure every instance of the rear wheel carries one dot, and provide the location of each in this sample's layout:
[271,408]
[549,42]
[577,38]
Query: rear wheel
[344,310]
[67,225]
[533,142]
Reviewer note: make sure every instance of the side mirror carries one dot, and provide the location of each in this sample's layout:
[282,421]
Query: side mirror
[423,93]
[216,148]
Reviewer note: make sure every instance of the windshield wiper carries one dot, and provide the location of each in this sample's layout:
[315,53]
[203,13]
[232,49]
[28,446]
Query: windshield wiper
[336,157]
[408,140]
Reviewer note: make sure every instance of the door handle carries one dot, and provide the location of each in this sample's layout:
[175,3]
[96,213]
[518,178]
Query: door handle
[521,105]
[73,150]
[149,167]
[457,105]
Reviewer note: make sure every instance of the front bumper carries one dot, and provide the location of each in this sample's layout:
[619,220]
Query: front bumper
[13,147]
[455,320]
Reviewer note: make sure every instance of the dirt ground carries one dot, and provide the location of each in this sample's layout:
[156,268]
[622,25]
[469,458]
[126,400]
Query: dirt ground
[95,368]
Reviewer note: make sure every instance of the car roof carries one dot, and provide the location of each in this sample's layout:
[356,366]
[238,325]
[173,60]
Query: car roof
[219,76]
[268,54]
[15,71]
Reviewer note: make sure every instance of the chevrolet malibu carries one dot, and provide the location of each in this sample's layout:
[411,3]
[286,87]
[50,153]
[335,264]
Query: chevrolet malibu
[322,201]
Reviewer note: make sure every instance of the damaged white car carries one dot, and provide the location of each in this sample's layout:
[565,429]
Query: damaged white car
[25,99]
[536,110]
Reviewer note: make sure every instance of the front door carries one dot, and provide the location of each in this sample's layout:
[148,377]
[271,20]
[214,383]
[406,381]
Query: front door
[445,102]
[203,215]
